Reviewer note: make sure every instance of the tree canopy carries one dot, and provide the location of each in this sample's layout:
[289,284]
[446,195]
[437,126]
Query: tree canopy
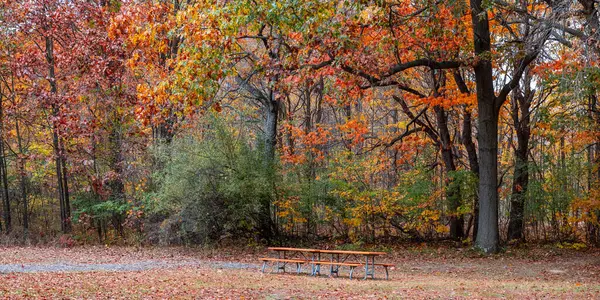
[191,121]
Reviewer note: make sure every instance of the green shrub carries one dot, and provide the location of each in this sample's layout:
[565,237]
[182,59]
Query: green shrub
[209,188]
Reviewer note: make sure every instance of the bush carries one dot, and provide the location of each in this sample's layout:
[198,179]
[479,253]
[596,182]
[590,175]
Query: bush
[207,189]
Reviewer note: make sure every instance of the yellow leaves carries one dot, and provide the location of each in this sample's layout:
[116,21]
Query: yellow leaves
[369,13]
[288,211]
[429,215]
[440,228]
[574,246]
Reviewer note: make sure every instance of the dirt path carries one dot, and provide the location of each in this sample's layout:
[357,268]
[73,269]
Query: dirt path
[119,267]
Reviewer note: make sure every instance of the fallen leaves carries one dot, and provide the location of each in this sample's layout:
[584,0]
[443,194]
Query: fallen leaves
[417,276]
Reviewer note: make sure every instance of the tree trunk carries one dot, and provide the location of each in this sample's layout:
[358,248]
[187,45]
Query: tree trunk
[452,190]
[473,165]
[3,172]
[58,152]
[270,141]
[65,183]
[453,196]
[59,177]
[521,102]
[467,140]
[487,233]
[23,177]
[271,120]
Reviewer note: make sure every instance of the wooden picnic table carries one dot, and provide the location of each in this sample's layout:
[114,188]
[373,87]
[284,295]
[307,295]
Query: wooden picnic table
[337,258]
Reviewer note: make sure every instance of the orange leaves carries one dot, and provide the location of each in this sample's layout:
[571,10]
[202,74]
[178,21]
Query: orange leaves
[296,36]
[305,143]
[449,101]
[355,130]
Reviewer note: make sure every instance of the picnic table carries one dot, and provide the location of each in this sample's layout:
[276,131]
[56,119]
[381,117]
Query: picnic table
[318,257]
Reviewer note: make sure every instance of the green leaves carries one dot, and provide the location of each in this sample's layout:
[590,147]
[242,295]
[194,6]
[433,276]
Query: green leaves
[88,204]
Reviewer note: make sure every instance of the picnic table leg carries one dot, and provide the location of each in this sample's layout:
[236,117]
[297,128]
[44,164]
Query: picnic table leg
[337,267]
[278,258]
[264,265]
[372,272]
[318,266]
[372,267]
[366,267]
[285,263]
[331,267]
[351,271]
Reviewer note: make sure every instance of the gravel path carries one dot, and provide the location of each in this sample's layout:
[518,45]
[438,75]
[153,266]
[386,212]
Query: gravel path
[136,266]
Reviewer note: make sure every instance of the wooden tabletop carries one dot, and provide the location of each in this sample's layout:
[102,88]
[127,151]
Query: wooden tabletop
[326,251]
[352,252]
[294,249]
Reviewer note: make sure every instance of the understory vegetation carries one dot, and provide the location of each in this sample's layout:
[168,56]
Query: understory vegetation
[177,122]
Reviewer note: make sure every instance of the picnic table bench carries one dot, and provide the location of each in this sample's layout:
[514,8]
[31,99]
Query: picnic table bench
[337,259]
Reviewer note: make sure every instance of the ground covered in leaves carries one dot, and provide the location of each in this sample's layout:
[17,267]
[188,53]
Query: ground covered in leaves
[421,272]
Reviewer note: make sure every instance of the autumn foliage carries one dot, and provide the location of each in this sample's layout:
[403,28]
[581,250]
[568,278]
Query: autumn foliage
[194,121]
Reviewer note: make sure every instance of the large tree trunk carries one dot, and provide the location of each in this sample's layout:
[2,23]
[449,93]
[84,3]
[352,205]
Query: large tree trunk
[270,140]
[487,234]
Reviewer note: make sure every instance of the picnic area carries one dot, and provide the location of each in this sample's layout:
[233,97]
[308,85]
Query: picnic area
[283,149]
[312,257]
[420,271]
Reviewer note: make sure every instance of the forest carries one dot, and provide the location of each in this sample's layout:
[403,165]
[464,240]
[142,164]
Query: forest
[192,122]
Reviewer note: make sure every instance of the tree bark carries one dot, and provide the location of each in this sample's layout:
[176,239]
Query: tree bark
[23,177]
[467,140]
[63,194]
[487,233]
[65,181]
[452,191]
[521,103]
[271,122]
[3,172]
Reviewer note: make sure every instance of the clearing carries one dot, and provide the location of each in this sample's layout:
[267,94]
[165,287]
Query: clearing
[421,272]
